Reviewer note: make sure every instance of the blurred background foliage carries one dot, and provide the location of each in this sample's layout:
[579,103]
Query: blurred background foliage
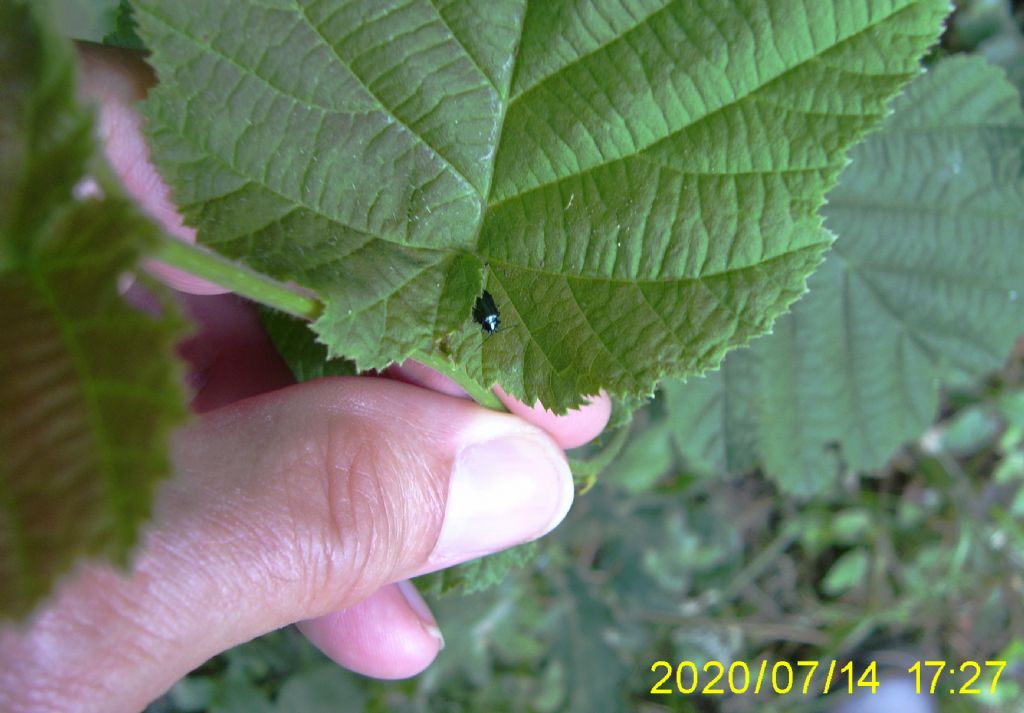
[920,559]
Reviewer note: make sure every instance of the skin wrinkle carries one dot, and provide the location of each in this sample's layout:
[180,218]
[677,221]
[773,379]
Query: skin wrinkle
[173,557]
[338,463]
[110,600]
[370,487]
[293,547]
[355,517]
[315,551]
[356,456]
[324,569]
[198,549]
[217,533]
[229,526]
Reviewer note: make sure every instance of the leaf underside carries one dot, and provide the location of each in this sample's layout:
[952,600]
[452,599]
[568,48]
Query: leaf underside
[635,182]
[306,358]
[927,271]
[479,574]
[88,388]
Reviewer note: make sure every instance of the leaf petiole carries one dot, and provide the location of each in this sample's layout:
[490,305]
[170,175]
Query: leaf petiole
[238,278]
[258,287]
[484,397]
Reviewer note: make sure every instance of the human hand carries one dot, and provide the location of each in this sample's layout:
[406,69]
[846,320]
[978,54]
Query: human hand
[310,503]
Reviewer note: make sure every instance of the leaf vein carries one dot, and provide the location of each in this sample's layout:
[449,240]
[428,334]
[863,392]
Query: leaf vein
[366,86]
[670,134]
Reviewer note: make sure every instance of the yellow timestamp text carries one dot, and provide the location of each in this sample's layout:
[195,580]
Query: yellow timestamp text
[958,679]
[715,678]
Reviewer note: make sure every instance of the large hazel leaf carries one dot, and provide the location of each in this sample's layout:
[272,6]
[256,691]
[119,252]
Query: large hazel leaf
[928,270]
[634,181]
[88,388]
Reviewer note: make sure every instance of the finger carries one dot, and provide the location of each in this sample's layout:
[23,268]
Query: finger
[574,428]
[343,636]
[230,357]
[571,429]
[391,634]
[290,506]
[117,81]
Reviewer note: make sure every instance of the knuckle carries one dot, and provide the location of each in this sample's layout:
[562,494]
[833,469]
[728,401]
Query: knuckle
[385,497]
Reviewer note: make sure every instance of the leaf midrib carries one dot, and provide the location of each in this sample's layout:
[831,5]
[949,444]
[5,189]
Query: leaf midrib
[75,353]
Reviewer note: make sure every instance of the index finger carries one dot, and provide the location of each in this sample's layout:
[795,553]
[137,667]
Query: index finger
[569,430]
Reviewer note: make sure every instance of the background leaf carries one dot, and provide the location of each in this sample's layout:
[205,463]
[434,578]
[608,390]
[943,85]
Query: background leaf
[323,689]
[297,345]
[125,31]
[994,28]
[88,389]
[85,19]
[849,571]
[927,272]
[636,183]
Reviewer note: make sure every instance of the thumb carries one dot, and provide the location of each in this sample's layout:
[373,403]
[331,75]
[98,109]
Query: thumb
[288,506]
[359,482]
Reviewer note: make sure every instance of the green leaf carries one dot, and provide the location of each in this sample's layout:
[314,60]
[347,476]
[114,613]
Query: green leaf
[698,409]
[595,675]
[479,574]
[125,31]
[635,182]
[993,29]
[646,458]
[850,525]
[927,271]
[970,430]
[193,693]
[323,689]
[240,696]
[89,20]
[846,573]
[297,345]
[88,391]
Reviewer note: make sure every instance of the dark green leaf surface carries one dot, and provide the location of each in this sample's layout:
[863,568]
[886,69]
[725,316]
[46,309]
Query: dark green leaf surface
[88,390]
[479,574]
[636,182]
[928,270]
[297,345]
[124,34]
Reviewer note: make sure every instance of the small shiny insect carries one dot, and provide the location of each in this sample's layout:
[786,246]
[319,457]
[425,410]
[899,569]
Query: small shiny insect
[485,313]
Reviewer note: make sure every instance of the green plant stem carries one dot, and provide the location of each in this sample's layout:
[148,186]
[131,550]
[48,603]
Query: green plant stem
[238,278]
[484,397]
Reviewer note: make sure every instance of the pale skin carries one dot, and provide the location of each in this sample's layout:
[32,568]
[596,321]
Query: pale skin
[311,503]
